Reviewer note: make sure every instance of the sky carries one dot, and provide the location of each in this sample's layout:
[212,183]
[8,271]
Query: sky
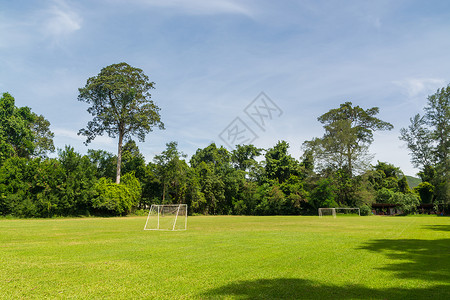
[229,71]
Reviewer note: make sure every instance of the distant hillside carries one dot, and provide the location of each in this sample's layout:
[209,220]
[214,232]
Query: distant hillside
[413,181]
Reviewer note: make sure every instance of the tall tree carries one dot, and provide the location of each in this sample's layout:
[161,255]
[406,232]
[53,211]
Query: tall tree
[419,141]
[121,104]
[348,134]
[428,139]
[437,116]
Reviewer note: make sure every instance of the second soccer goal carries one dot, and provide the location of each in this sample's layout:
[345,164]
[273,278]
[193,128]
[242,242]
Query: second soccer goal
[339,211]
[167,217]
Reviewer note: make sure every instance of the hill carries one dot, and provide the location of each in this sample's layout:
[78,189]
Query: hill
[413,181]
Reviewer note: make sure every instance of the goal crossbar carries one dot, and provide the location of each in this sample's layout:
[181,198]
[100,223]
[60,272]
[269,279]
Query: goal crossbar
[325,210]
[170,217]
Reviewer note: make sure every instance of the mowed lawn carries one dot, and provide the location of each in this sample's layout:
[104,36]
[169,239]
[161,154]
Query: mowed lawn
[227,257]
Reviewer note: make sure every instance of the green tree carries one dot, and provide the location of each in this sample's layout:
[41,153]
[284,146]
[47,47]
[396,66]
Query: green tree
[121,105]
[243,157]
[295,193]
[419,141]
[406,202]
[43,137]
[22,132]
[77,188]
[323,195]
[105,163]
[172,171]
[112,198]
[428,139]
[212,188]
[151,186]
[279,164]
[348,134]
[46,187]
[211,165]
[425,190]
[403,185]
[133,160]
[234,181]
[273,201]
[220,158]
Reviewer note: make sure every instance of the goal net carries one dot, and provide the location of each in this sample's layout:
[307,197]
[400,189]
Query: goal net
[167,217]
[339,211]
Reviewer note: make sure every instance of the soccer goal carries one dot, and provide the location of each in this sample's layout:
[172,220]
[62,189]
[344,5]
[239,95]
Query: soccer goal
[167,217]
[339,211]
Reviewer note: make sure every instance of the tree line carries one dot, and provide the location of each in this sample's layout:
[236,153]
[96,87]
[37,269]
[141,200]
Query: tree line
[332,172]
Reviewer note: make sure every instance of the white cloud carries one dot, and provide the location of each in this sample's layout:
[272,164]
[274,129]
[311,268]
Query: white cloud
[414,87]
[201,7]
[29,27]
[72,135]
[60,20]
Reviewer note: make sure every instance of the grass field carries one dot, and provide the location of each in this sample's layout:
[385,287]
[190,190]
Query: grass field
[227,257]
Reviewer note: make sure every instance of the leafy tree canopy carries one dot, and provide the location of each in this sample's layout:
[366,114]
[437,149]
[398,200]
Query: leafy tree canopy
[280,165]
[120,102]
[219,157]
[348,134]
[428,139]
[243,157]
[22,132]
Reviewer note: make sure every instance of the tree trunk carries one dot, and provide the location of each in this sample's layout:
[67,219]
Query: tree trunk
[119,157]
[164,191]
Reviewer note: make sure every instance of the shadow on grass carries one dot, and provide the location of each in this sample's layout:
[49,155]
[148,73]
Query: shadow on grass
[427,260]
[291,288]
[438,227]
[415,258]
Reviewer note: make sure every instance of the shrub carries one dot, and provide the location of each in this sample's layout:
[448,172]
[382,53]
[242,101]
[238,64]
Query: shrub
[112,198]
[384,195]
[408,202]
[365,210]
[134,187]
[425,190]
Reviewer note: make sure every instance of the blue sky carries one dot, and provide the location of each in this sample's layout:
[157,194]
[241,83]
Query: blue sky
[211,59]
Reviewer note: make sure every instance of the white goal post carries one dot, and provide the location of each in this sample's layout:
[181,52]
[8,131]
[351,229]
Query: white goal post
[167,217]
[340,210]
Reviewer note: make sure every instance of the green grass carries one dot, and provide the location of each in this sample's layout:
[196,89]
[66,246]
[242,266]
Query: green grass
[227,257]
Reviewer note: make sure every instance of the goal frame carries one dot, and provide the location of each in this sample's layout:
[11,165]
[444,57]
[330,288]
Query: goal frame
[333,210]
[158,208]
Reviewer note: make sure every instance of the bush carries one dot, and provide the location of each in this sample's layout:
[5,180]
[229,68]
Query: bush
[425,190]
[365,210]
[323,195]
[384,195]
[112,198]
[134,187]
[408,202]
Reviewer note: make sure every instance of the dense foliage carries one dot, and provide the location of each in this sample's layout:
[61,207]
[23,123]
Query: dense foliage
[213,182]
[247,180]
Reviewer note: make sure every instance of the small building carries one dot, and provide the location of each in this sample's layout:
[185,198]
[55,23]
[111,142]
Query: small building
[388,209]
[426,208]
